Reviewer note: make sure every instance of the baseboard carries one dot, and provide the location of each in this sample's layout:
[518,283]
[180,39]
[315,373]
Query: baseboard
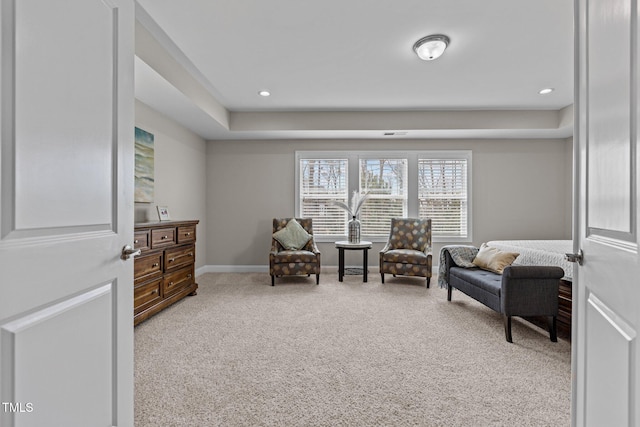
[265,269]
[232,269]
[246,269]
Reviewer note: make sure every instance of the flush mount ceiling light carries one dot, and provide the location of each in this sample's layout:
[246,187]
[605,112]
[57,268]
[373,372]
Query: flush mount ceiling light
[264,93]
[431,47]
[546,91]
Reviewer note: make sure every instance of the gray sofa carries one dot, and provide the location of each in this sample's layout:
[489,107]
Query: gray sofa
[519,291]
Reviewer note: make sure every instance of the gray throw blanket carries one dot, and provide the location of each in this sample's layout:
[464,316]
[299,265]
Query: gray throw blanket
[462,255]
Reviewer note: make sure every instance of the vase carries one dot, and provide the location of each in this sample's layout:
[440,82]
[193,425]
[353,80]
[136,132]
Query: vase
[354,230]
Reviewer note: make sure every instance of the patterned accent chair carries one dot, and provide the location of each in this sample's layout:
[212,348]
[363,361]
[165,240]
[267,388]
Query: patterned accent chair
[408,251]
[284,262]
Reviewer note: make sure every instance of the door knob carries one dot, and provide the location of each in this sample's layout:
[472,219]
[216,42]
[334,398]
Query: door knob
[128,251]
[579,258]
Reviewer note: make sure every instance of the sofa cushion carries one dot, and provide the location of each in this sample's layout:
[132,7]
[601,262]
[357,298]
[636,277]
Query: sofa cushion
[293,236]
[485,280]
[409,233]
[405,256]
[285,257]
[493,259]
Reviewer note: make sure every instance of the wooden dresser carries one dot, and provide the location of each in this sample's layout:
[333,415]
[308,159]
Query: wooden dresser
[564,309]
[164,272]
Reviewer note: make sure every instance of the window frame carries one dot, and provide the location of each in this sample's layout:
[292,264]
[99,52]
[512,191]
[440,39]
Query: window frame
[412,156]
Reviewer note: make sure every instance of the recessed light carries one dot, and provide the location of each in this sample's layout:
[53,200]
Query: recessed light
[264,93]
[546,91]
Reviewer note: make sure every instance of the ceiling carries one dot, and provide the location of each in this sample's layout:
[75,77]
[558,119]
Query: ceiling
[346,68]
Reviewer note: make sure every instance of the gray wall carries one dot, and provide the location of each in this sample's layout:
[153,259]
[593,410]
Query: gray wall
[180,162]
[521,189]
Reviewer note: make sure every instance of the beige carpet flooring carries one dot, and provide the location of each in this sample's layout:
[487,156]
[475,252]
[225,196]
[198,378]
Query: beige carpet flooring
[243,353]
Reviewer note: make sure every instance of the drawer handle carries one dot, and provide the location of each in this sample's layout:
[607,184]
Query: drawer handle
[170,283]
[172,259]
[155,265]
[190,253]
[187,234]
[136,241]
[164,237]
[188,276]
[155,291]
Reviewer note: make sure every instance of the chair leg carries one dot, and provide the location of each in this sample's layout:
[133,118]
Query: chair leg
[428,281]
[507,327]
[273,280]
[317,279]
[448,292]
[382,276]
[553,331]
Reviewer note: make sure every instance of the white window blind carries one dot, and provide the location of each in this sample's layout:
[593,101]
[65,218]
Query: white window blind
[323,180]
[442,195]
[385,180]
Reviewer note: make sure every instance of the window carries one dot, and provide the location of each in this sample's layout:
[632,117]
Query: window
[385,182]
[321,181]
[442,195]
[425,184]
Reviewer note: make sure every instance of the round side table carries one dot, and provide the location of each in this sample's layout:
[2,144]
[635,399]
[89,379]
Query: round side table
[363,246]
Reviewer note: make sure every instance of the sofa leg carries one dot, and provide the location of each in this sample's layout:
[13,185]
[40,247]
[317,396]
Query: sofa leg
[428,281]
[507,327]
[317,279]
[382,276]
[273,280]
[448,292]
[553,330]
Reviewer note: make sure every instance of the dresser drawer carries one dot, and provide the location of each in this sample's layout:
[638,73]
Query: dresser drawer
[565,290]
[163,237]
[147,266]
[180,279]
[187,234]
[146,295]
[179,257]
[141,240]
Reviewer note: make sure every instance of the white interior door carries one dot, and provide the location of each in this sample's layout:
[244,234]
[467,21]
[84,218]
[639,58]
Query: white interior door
[606,360]
[66,166]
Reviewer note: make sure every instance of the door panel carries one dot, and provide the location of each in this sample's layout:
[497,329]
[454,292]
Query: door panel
[606,355]
[609,343]
[66,168]
[609,189]
[46,332]
[45,77]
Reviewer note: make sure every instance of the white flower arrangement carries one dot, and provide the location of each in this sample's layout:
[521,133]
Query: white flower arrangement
[357,200]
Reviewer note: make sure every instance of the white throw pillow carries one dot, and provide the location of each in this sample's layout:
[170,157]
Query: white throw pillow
[493,259]
[293,236]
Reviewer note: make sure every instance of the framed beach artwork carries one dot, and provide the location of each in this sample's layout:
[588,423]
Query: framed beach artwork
[144,173]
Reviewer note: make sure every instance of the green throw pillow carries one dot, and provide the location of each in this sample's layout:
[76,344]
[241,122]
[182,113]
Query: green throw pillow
[293,236]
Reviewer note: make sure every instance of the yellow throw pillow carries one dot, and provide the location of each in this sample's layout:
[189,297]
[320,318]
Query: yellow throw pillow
[493,259]
[293,236]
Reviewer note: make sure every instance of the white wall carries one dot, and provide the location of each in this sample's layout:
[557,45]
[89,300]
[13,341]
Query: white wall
[180,176]
[521,190]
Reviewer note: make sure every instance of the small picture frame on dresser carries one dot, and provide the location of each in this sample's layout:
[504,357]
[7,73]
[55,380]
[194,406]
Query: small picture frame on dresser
[163,213]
